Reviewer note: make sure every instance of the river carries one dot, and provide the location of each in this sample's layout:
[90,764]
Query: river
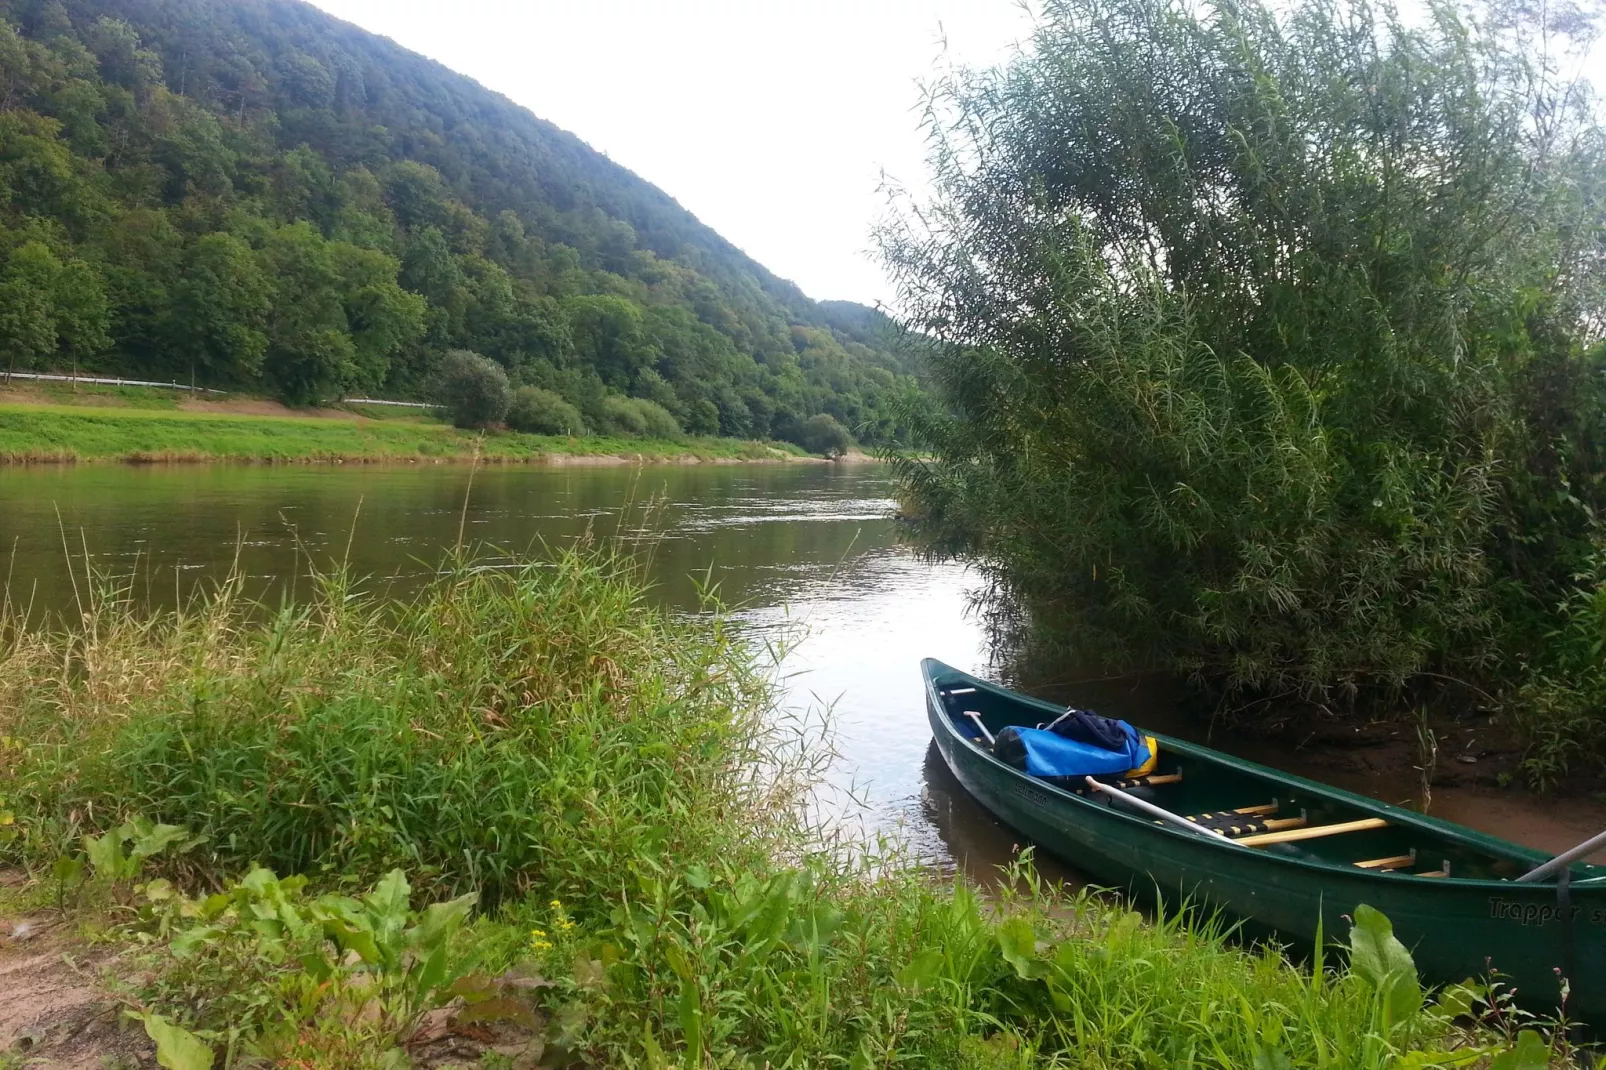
[808,551]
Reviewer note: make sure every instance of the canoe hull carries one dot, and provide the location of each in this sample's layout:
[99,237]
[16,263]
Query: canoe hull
[1456,930]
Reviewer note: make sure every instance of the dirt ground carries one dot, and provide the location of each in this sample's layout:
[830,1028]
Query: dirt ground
[261,407]
[54,1013]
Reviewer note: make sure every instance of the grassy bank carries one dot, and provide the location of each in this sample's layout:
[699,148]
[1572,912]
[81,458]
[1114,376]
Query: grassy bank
[601,804]
[46,433]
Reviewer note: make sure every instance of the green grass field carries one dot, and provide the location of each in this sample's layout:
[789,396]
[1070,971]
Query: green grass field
[44,433]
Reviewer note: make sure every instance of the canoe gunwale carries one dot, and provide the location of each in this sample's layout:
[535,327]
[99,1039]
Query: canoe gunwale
[1397,816]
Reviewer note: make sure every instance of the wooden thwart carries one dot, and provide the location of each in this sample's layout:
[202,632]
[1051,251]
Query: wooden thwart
[1387,864]
[1314,832]
[1241,811]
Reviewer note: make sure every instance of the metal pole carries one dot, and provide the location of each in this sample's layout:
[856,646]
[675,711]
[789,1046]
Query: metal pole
[1588,847]
[1155,811]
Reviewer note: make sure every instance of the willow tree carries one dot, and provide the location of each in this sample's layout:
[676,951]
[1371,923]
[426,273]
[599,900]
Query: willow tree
[1267,337]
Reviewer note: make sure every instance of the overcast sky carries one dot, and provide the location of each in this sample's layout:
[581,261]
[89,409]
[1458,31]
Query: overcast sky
[771,120]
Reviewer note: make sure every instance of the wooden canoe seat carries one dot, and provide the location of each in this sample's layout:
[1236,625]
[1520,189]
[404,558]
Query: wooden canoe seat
[1314,832]
[1151,781]
[1246,820]
[1389,865]
[1266,827]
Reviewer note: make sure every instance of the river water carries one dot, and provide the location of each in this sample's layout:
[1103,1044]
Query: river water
[806,551]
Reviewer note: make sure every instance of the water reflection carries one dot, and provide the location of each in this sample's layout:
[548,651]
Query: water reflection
[752,524]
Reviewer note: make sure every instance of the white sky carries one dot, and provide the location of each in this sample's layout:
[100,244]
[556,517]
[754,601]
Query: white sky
[771,120]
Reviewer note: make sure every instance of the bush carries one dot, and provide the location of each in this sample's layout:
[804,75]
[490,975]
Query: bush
[620,416]
[823,435]
[542,412]
[659,421]
[637,418]
[1246,366]
[702,417]
[473,389]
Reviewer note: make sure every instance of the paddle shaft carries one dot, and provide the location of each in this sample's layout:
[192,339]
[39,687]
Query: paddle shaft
[1588,847]
[1153,810]
[988,736]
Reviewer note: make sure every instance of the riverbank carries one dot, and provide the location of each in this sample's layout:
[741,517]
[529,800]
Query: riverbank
[605,810]
[192,431]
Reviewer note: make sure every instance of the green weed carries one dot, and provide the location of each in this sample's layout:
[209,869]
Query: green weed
[266,970]
[508,731]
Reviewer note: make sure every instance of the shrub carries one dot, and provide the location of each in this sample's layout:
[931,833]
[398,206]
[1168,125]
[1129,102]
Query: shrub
[659,422]
[1565,699]
[621,416]
[637,418]
[542,412]
[822,434]
[1248,366]
[702,417]
[473,389]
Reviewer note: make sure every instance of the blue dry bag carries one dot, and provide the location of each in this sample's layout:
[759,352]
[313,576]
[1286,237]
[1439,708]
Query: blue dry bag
[1048,754]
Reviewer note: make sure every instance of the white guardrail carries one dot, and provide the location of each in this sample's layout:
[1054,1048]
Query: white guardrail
[377,401]
[49,377]
[100,381]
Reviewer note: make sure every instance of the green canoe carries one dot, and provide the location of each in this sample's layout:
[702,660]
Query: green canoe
[1293,851]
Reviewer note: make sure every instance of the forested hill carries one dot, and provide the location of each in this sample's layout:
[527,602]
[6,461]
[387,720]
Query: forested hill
[259,195]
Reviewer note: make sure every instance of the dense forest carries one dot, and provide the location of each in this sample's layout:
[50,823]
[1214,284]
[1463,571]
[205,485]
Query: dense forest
[252,194]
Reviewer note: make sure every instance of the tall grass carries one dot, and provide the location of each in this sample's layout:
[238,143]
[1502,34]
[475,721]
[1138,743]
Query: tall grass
[616,785]
[508,730]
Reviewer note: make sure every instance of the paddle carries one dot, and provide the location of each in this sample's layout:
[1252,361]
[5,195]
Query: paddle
[1153,810]
[988,736]
[1588,847]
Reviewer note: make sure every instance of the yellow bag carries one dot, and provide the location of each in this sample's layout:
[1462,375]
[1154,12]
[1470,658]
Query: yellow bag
[1154,759]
